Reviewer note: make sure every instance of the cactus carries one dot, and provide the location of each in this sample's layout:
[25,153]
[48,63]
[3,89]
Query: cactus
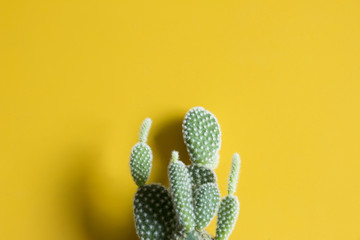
[229,206]
[186,208]
[141,156]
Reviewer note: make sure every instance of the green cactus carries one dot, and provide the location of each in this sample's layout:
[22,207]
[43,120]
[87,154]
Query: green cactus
[206,202]
[202,136]
[154,213]
[229,206]
[183,211]
[180,184]
[200,175]
[227,216]
[141,156]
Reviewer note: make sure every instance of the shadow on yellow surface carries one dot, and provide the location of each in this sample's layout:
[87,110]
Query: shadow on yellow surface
[167,139]
[83,207]
[82,195]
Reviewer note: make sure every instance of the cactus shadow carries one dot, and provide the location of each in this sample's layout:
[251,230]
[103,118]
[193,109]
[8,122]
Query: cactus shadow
[80,208]
[166,139]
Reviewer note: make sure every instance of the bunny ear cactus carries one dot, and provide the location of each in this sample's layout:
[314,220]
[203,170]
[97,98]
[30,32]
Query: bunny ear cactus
[202,136]
[141,156]
[183,211]
[229,206]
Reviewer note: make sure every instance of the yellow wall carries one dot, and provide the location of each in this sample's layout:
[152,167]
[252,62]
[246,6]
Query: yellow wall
[78,77]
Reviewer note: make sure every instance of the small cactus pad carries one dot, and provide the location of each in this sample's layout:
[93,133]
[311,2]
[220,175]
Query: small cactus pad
[200,175]
[234,174]
[180,185]
[144,130]
[207,198]
[227,216]
[202,135]
[155,217]
[140,163]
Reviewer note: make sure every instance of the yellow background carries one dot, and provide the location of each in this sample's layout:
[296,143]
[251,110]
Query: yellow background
[78,77]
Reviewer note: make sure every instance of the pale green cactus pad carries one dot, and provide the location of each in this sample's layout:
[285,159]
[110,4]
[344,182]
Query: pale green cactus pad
[180,184]
[229,206]
[234,174]
[207,198]
[155,216]
[227,216]
[141,156]
[200,175]
[140,163]
[202,136]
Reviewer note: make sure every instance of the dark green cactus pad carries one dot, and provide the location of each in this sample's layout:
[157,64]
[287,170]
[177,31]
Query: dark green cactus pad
[227,216]
[194,235]
[155,217]
[206,199]
[140,163]
[180,186]
[200,175]
[202,136]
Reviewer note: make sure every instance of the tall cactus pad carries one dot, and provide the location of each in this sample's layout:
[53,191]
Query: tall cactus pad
[202,135]
[140,163]
[155,217]
[144,130]
[207,199]
[180,184]
[227,216]
[201,175]
[234,174]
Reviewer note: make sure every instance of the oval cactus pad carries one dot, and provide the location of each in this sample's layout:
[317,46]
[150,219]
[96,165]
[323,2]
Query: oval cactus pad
[202,135]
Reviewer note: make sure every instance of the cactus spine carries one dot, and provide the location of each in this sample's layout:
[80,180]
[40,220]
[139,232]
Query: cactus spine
[183,211]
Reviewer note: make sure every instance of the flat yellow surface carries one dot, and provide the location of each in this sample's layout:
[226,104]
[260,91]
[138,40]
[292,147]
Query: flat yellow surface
[78,77]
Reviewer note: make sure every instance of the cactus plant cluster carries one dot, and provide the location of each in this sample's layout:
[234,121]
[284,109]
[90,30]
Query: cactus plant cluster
[186,208]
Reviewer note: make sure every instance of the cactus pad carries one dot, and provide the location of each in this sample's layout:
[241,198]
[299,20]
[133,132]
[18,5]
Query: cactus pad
[155,216]
[227,216]
[200,175]
[234,174]
[144,130]
[140,163]
[180,184]
[206,198]
[202,135]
